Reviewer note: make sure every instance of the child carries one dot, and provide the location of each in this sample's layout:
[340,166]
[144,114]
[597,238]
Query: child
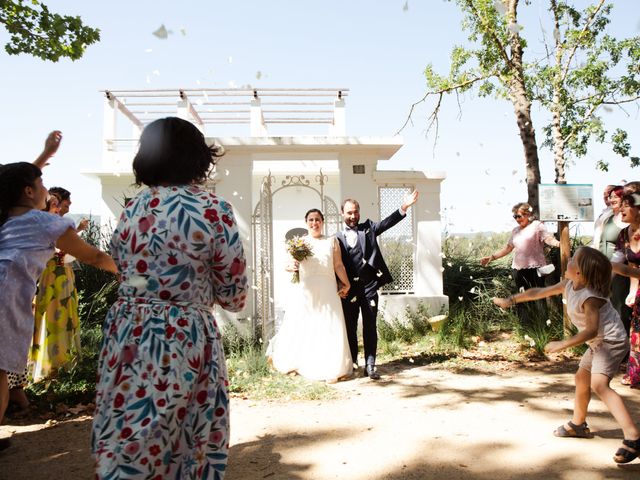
[27,240]
[586,291]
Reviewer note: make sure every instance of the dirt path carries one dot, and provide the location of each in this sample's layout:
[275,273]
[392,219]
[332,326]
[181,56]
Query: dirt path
[419,422]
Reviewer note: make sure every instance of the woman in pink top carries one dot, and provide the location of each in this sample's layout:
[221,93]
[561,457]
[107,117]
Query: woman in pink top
[527,243]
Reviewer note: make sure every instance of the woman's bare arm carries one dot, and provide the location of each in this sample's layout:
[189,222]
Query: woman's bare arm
[72,244]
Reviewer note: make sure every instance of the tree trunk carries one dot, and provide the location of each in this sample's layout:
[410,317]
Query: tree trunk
[522,110]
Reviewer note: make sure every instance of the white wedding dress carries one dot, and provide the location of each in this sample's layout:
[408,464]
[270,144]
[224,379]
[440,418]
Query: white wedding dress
[312,339]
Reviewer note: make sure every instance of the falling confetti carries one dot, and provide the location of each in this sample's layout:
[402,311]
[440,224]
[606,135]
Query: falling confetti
[514,28]
[405,8]
[156,73]
[235,194]
[162,33]
[226,172]
[230,59]
[372,303]
[473,290]
[548,322]
[148,50]
[183,31]
[556,34]
[258,75]
[500,7]
[354,299]
[460,298]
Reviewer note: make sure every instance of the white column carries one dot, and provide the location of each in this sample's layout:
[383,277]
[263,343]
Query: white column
[108,133]
[359,186]
[339,127]
[258,128]
[235,186]
[183,109]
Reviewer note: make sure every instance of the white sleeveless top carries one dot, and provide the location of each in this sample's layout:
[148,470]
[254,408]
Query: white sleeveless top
[610,328]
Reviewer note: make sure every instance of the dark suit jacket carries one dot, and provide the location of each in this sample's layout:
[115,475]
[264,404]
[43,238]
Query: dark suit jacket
[368,232]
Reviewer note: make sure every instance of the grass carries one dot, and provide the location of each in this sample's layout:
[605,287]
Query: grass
[473,319]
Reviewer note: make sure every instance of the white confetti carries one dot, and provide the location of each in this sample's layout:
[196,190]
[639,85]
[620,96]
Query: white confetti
[354,299]
[372,303]
[548,322]
[162,33]
[156,73]
[235,194]
[442,269]
[460,298]
[556,34]
[405,7]
[411,360]
[258,75]
[532,343]
[226,172]
[449,264]
[500,6]
[230,59]
[355,279]
[379,274]
[521,289]
[514,27]
[148,50]
[473,290]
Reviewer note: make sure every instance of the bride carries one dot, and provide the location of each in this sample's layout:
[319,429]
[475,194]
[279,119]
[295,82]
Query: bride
[312,339]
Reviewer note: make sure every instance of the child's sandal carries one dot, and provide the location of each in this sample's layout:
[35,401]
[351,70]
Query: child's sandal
[624,455]
[574,431]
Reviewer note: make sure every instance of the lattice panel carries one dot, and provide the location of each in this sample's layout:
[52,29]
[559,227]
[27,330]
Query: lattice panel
[397,243]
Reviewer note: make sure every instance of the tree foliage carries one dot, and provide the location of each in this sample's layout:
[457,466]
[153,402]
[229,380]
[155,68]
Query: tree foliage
[582,73]
[35,30]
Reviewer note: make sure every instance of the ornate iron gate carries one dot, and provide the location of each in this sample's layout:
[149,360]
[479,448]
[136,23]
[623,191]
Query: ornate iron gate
[262,222]
[264,325]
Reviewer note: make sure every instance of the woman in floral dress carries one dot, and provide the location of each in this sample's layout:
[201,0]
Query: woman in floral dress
[162,400]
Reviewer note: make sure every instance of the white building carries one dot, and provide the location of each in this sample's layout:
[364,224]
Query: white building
[273,180]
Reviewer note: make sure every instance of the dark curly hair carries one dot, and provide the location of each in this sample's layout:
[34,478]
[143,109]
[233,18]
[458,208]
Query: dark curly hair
[62,193]
[14,178]
[173,152]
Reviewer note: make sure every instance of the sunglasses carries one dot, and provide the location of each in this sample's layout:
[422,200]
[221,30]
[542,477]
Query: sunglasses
[517,216]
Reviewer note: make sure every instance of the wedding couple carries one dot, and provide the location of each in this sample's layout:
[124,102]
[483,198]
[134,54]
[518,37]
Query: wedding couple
[318,336]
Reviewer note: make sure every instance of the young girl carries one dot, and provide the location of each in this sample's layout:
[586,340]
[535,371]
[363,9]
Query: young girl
[27,240]
[586,291]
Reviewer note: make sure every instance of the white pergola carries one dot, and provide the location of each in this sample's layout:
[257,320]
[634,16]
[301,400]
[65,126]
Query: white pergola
[339,165]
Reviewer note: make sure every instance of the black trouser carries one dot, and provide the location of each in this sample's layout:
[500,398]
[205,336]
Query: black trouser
[619,292]
[366,301]
[525,279]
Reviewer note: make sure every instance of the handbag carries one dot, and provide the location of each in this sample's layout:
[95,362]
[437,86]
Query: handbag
[546,270]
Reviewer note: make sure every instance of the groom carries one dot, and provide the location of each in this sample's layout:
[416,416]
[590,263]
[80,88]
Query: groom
[367,272]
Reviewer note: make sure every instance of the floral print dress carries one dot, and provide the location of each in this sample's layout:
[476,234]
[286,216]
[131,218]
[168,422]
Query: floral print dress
[627,255]
[162,400]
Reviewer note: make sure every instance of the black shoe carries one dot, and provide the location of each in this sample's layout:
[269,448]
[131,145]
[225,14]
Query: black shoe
[370,371]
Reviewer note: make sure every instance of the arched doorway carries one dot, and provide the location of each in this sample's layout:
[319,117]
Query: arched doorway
[270,223]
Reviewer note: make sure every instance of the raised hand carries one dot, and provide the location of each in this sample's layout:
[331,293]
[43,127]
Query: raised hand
[409,200]
[52,143]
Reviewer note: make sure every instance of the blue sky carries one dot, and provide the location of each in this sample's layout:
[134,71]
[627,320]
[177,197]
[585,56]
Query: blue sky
[376,48]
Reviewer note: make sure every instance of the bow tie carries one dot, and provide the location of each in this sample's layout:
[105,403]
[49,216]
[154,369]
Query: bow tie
[351,229]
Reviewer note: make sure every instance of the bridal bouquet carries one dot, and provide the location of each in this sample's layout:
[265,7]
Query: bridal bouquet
[299,250]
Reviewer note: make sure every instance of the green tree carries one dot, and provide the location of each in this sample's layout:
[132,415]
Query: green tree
[583,71]
[34,30]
